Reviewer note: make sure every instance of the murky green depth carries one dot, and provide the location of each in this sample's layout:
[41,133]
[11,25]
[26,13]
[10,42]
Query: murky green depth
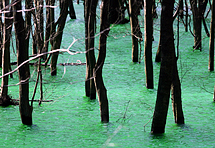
[72,120]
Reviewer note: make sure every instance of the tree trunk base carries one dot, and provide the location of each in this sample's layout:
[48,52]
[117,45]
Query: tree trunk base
[6,101]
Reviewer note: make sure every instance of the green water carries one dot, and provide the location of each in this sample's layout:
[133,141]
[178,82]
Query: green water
[72,120]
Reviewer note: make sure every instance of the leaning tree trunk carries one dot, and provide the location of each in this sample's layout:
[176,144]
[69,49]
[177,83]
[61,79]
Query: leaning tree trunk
[100,88]
[211,43]
[58,35]
[135,28]
[7,27]
[148,24]
[176,96]
[166,69]
[23,72]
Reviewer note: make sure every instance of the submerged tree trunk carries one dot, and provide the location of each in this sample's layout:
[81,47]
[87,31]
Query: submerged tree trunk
[148,23]
[100,88]
[198,9]
[211,42]
[5,100]
[135,28]
[166,69]
[58,35]
[90,26]
[176,96]
[23,72]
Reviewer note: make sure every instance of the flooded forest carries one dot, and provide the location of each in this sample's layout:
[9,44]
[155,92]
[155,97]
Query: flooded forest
[107,73]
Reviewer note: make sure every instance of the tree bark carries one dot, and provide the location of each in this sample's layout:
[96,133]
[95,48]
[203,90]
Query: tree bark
[100,88]
[176,96]
[211,42]
[23,72]
[166,69]
[7,27]
[135,28]
[148,23]
[58,35]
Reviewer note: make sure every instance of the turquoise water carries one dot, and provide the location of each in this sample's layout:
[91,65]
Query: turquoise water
[72,120]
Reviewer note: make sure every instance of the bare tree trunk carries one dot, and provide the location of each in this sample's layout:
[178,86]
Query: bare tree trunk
[135,28]
[91,38]
[58,35]
[71,10]
[100,88]
[158,53]
[148,23]
[23,72]
[38,23]
[47,30]
[176,96]
[186,16]
[211,43]
[7,27]
[90,26]
[1,37]
[166,69]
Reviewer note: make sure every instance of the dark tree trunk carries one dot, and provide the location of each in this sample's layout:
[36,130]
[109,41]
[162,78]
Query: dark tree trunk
[198,9]
[58,35]
[158,53]
[86,18]
[186,16]
[100,88]
[211,43]
[23,72]
[117,12]
[166,69]
[1,30]
[7,27]
[71,10]
[176,96]
[90,26]
[135,28]
[148,23]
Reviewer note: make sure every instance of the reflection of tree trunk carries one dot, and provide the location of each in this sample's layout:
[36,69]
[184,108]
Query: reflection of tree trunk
[58,35]
[148,43]
[100,88]
[135,28]
[211,43]
[23,72]
[166,69]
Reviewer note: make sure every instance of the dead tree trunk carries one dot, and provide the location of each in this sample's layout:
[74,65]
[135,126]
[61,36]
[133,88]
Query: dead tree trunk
[58,35]
[148,24]
[100,88]
[135,28]
[23,72]
[211,42]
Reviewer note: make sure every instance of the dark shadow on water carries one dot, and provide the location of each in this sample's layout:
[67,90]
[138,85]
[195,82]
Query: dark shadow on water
[158,136]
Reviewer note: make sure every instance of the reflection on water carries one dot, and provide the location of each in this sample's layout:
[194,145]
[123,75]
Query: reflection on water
[72,120]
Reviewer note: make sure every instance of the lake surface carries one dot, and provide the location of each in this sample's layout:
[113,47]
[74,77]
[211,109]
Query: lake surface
[72,120]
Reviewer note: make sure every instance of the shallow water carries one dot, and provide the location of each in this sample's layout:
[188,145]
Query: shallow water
[72,120]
